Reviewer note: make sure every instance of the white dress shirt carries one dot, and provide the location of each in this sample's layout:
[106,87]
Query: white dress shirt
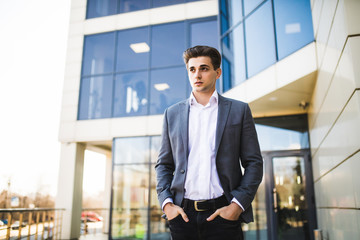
[202,180]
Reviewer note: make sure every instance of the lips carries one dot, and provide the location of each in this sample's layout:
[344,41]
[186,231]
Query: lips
[198,83]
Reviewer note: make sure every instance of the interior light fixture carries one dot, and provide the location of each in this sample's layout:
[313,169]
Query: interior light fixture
[140,47]
[161,86]
[292,28]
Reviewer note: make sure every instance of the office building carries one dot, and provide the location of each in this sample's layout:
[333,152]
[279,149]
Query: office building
[294,62]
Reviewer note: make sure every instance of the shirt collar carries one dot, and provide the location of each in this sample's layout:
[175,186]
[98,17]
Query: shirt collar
[213,99]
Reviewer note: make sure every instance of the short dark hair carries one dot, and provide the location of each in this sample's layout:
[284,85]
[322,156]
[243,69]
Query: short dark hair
[203,51]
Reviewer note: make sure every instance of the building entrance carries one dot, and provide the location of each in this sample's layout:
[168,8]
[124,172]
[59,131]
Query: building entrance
[289,195]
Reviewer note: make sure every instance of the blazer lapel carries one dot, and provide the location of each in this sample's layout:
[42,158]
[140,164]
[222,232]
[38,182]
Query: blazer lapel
[184,124]
[223,113]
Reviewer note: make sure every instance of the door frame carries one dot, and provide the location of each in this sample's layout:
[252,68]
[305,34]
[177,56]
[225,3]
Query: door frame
[269,185]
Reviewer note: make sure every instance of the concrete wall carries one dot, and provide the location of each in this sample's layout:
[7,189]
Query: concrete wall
[334,118]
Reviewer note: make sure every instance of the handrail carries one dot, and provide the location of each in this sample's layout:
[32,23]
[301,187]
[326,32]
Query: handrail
[44,221]
[29,209]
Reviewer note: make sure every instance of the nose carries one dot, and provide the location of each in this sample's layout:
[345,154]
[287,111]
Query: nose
[197,74]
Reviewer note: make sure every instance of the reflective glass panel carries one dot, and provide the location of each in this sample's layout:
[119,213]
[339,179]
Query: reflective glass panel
[130,201]
[133,5]
[258,229]
[289,196]
[294,28]
[95,97]
[131,94]
[133,49]
[161,3]
[167,87]
[155,147]
[226,75]
[131,150]
[98,54]
[204,33]
[250,5]
[168,44]
[235,55]
[159,228]
[260,40]
[100,8]
[282,133]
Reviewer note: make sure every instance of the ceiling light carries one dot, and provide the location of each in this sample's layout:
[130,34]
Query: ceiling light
[292,28]
[161,86]
[273,99]
[140,47]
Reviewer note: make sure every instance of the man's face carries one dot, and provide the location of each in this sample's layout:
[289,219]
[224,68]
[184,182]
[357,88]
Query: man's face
[202,75]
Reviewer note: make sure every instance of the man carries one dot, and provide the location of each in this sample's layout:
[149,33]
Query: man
[201,187]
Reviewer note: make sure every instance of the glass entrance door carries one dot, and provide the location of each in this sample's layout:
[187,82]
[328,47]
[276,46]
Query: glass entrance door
[290,200]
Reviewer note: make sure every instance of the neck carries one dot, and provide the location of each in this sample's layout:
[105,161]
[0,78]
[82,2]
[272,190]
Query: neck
[203,97]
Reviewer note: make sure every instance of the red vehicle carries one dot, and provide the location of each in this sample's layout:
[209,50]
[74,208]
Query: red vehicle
[90,217]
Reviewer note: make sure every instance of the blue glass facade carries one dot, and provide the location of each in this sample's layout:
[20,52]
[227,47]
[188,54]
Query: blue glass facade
[139,71]
[101,8]
[255,34]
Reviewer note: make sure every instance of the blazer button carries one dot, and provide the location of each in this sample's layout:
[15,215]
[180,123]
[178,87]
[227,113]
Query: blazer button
[182,171]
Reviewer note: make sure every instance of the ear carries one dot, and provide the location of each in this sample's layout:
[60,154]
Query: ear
[218,73]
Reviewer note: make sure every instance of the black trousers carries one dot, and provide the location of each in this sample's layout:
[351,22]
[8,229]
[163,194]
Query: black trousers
[199,229]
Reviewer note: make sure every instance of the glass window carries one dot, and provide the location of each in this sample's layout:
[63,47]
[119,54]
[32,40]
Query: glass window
[95,97]
[168,43]
[98,54]
[133,150]
[235,55]
[260,41]
[250,5]
[130,201]
[155,147]
[283,132]
[226,74]
[131,5]
[294,28]
[133,49]
[100,8]
[131,94]
[167,87]
[161,3]
[204,33]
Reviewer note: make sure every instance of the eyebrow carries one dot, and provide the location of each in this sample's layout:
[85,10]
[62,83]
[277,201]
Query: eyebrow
[202,65]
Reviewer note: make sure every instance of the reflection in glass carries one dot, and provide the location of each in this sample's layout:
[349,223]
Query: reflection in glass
[158,226]
[98,54]
[260,39]
[203,33]
[168,42]
[290,205]
[167,87]
[258,228]
[130,201]
[100,8]
[226,75]
[161,3]
[131,94]
[155,147]
[131,150]
[234,53]
[95,97]
[294,28]
[131,5]
[128,57]
[282,133]
[250,5]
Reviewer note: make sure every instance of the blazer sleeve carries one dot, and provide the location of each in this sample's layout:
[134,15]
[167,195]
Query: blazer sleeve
[251,160]
[165,165]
